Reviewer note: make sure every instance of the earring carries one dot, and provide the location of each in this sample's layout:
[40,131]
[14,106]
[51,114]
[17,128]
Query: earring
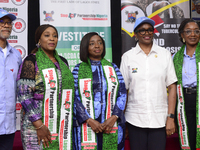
[183,40]
[38,45]
[136,39]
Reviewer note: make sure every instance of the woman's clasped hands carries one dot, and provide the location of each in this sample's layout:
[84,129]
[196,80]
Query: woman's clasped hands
[105,127]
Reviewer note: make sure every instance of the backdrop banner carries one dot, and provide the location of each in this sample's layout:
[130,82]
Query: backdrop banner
[19,37]
[167,14]
[73,19]
[195,9]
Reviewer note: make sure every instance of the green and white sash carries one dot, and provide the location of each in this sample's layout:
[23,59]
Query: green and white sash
[181,116]
[85,77]
[57,114]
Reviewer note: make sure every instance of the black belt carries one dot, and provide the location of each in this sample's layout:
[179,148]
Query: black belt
[190,90]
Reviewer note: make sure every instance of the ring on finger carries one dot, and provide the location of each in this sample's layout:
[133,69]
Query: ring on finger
[97,132]
[42,140]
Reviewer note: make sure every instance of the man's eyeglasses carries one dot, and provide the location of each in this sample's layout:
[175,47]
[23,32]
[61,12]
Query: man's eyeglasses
[143,31]
[188,32]
[3,23]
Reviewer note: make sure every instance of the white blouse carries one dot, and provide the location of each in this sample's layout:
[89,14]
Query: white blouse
[146,77]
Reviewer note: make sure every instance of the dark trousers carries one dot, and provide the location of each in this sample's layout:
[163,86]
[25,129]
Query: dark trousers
[190,110]
[146,138]
[6,141]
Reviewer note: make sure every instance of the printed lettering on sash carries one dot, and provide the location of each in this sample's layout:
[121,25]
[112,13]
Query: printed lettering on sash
[89,138]
[50,97]
[112,91]
[65,120]
[181,119]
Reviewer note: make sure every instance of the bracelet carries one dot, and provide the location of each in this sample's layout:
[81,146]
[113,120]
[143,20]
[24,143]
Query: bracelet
[39,127]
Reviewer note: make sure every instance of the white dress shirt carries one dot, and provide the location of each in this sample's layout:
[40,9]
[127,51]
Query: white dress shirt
[146,77]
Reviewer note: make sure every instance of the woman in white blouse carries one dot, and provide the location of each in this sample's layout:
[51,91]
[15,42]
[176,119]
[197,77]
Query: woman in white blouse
[148,70]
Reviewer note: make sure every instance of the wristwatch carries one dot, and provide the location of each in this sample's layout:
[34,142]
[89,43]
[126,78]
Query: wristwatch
[170,115]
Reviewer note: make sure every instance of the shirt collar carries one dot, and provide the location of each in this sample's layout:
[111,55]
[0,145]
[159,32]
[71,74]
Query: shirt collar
[9,48]
[185,54]
[153,48]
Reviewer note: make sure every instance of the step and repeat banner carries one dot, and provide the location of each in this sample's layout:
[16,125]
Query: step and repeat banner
[167,14]
[195,11]
[18,38]
[73,19]
[19,35]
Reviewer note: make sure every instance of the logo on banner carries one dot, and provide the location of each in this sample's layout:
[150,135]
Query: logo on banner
[102,17]
[4,1]
[128,24]
[72,15]
[18,2]
[48,16]
[131,16]
[21,50]
[13,39]
[18,106]
[19,25]
[11,10]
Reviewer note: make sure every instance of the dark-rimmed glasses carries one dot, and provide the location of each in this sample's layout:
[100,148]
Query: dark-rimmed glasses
[143,31]
[3,23]
[188,32]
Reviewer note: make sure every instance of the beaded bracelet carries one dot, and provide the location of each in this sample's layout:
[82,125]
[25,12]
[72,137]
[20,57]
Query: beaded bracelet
[39,127]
